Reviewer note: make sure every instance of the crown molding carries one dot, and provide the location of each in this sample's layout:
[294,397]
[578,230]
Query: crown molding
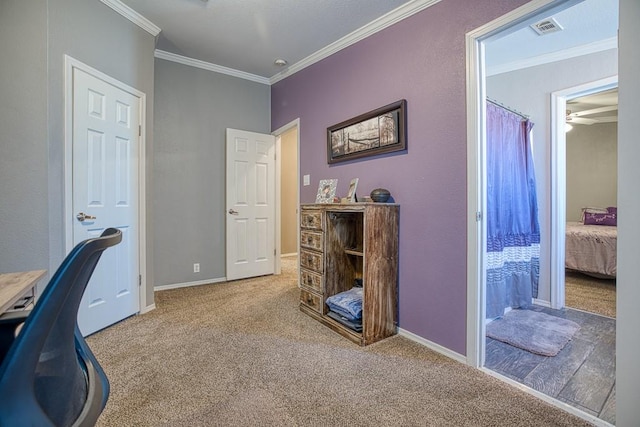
[586,49]
[161,54]
[371,28]
[133,16]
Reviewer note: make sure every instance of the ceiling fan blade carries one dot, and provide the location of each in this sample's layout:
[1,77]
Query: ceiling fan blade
[580,120]
[595,111]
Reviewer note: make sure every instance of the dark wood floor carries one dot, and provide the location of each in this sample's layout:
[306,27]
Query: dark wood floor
[583,373]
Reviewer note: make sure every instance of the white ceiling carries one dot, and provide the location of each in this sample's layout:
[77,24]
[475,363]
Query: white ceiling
[248,35]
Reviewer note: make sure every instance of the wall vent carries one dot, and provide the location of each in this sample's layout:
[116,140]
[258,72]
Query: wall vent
[546,26]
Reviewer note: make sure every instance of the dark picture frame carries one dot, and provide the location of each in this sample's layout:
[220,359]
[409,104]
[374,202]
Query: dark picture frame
[383,130]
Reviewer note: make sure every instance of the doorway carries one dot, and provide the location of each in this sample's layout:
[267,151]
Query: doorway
[476,94]
[287,191]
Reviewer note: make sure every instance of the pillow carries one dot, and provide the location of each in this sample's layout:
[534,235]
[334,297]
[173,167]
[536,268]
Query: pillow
[613,210]
[599,218]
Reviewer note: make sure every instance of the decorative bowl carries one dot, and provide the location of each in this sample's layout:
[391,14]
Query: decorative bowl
[380,195]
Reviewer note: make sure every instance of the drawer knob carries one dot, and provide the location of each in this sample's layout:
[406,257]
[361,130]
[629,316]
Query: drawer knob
[309,280]
[309,240]
[309,300]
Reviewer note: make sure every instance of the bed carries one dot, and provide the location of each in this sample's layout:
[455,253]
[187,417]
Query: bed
[591,249]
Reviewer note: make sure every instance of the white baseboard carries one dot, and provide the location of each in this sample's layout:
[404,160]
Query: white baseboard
[187,284]
[148,308]
[541,302]
[289,255]
[433,346]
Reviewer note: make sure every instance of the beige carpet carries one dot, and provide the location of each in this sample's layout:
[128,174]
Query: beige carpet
[242,354]
[590,294]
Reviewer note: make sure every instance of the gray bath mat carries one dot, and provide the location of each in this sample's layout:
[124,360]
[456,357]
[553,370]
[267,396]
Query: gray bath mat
[533,331]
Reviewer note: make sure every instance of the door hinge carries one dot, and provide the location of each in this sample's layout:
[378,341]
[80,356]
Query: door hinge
[274,252]
[139,279]
[139,130]
[478,216]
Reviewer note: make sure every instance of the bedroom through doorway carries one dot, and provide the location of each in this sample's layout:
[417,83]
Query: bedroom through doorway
[591,136]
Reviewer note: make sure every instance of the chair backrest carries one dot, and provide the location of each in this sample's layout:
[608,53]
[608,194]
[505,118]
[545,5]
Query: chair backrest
[49,375]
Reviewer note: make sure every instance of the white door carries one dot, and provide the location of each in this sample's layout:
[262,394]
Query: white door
[250,207]
[106,122]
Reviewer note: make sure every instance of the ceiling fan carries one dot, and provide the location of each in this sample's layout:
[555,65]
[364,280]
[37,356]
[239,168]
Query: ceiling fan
[595,108]
[582,117]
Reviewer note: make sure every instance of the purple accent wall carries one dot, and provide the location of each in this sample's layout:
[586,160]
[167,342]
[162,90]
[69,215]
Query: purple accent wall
[420,59]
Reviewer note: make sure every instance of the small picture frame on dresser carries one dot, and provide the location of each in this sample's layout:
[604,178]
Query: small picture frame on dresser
[351,195]
[326,190]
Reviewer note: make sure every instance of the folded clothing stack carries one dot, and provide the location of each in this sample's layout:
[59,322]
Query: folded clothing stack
[346,308]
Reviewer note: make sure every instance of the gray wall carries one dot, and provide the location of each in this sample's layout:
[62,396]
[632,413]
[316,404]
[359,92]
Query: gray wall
[193,108]
[628,291]
[35,37]
[592,167]
[24,219]
[529,91]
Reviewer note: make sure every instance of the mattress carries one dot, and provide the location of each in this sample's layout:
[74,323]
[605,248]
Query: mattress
[591,249]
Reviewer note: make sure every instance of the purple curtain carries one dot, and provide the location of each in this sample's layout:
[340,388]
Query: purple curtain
[513,232]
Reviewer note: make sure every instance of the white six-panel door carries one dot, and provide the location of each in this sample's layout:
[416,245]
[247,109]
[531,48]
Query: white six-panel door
[106,122]
[250,204]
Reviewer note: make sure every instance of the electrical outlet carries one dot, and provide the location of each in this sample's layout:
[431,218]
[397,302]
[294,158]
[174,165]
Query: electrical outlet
[196,267]
[306,180]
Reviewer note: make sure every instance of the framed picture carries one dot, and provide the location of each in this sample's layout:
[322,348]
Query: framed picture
[326,190]
[383,130]
[351,195]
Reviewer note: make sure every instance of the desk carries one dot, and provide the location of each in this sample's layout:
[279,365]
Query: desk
[15,285]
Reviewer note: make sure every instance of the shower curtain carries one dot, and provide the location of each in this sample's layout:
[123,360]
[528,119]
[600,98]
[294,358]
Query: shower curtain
[513,232]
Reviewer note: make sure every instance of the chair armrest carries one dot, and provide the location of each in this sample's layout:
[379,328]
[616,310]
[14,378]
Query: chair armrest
[9,324]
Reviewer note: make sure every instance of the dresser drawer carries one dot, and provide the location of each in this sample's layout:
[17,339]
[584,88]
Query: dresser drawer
[311,219]
[311,280]
[311,260]
[311,300]
[311,239]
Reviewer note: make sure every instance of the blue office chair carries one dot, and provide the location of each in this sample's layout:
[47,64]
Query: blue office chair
[48,374]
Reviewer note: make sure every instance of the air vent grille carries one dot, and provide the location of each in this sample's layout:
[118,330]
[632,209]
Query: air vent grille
[546,26]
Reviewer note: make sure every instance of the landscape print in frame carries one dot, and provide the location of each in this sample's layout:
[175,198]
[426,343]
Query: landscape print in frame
[382,130]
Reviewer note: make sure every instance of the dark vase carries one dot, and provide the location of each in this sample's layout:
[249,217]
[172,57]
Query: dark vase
[380,195]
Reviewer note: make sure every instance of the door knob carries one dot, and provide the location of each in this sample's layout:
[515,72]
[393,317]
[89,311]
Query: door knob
[83,217]
[232,212]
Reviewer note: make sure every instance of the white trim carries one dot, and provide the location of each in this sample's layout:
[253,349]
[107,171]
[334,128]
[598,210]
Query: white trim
[133,16]
[390,18]
[278,132]
[168,56]
[67,222]
[277,228]
[548,399]
[559,180]
[587,49]
[292,254]
[148,309]
[541,303]
[432,346]
[189,284]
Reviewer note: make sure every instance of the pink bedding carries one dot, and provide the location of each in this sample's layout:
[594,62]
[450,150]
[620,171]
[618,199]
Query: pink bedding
[591,248]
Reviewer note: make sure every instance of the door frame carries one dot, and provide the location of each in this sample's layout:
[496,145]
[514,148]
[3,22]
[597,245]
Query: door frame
[278,226]
[476,161]
[559,179]
[67,222]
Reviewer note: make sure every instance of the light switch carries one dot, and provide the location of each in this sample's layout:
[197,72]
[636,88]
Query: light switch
[306,180]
